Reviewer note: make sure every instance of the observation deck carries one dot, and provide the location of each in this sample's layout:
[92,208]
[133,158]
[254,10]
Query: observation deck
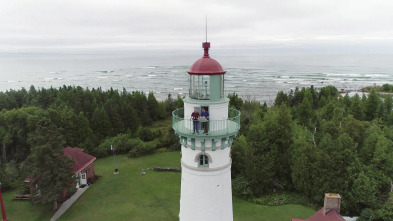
[183,126]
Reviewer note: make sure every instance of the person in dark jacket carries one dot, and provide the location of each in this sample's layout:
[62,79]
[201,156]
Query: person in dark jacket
[194,117]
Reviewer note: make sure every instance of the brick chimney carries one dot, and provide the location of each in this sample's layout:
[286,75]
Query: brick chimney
[332,201]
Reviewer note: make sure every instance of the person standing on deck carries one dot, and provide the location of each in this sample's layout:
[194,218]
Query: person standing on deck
[205,124]
[195,116]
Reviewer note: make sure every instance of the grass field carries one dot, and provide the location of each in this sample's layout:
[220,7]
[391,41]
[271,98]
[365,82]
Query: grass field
[24,210]
[150,197]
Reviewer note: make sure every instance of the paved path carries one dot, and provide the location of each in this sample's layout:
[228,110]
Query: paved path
[64,207]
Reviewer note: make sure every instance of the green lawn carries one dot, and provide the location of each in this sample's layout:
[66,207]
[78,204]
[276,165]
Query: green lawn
[130,196]
[246,211]
[24,210]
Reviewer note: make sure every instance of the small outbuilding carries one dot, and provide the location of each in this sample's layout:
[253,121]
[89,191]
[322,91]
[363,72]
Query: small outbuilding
[83,166]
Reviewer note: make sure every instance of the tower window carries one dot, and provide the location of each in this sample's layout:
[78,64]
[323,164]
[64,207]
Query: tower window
[203,161]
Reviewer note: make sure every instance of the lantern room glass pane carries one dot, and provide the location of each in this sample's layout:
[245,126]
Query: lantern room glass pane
[199,87]
[222,86]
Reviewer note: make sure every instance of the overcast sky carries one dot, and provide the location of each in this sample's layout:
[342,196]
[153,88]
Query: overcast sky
[56,25]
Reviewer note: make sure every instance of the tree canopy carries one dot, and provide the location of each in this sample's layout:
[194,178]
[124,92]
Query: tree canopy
[47,164]
[318,141]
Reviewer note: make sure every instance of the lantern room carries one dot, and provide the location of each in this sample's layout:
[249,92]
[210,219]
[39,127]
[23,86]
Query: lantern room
[206,78]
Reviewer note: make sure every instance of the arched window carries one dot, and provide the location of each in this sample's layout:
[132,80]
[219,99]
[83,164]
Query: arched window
[203,161]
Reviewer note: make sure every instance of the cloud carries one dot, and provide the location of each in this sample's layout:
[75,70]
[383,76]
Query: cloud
[123,24]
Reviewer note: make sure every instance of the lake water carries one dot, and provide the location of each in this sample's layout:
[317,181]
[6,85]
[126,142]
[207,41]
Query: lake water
[254,75]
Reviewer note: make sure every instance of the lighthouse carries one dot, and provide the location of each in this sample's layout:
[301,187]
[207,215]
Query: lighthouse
[206,127]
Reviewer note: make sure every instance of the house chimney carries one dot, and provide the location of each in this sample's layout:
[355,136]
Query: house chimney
[332,201]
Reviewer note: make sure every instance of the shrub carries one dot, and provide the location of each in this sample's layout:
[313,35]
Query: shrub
[169,139]
[122,142]
[241,188]
[143,148]
[10,174]
[146,134]
[101,151]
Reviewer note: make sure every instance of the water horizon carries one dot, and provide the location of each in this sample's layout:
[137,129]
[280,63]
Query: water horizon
[251,75]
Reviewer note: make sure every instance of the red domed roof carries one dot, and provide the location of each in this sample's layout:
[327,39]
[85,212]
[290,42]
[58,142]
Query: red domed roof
[206,65]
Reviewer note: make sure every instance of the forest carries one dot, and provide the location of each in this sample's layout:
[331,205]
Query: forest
[315,142]
[90,119]
[311,141]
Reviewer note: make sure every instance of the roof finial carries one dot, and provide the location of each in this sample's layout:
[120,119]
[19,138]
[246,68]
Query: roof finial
[206,45]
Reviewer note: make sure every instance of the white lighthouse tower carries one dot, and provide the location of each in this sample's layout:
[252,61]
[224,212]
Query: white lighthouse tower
[206,191]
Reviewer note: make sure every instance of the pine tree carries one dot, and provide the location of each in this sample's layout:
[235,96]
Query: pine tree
[346,100]
[239,156]
[388,104]
[152,105]
[304,111]
[372,105]
[281,98]
[357,108]
[48,163]
[129,117]
[303,163]
[100,123]
[268,164]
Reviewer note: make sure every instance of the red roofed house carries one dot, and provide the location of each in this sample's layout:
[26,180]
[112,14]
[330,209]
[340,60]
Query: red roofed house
[83,165]
[329,212]
[83,169]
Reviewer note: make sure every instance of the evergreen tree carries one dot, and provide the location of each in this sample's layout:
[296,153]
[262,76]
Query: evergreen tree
[239,156]
[17,124]
[304,112]
[388,104]
[371,106]
[303,159]
[152,105]
[48,163]
[346,100]
[31,98]
[112,108]
[139,102]
[100,123]
[297,97]
[384,213]
[328,92]
[75,128]
[357,108]
[281,98]
[336,166]
[314,95]
[89,104]
[356,129]
[129,117]
[364,191]
[269,142]
[235,101]
[179,102]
